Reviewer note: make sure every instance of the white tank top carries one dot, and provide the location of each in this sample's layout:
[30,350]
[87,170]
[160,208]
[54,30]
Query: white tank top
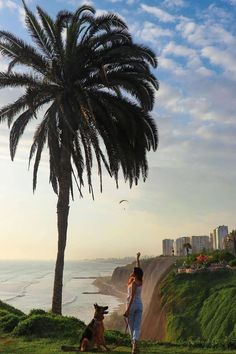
[137,296]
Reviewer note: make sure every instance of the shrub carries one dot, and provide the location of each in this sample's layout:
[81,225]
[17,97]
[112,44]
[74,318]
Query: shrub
[232,263]
[37,312]
[49,325]
[4,313]
[11,309]
[9,322]
[219,256]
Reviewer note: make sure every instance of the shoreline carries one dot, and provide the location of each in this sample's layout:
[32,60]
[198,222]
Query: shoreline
[115,319]
[106,288]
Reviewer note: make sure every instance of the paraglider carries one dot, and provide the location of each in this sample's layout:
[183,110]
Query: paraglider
[123,201]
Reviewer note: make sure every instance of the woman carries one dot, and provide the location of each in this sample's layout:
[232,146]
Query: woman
[134,304]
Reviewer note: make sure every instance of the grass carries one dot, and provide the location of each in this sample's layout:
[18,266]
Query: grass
[200,306]
[201,320]
[13,345]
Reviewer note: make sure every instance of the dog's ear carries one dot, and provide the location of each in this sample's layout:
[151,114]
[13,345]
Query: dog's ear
[95,306]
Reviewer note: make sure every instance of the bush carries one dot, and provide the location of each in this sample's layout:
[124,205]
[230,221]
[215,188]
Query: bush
[219,256]
[232,263]
[9,322]
[49,325]
[4,313]
[10,309]
[37,312]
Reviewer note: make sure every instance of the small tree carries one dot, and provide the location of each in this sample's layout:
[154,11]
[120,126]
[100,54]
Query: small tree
[187,247]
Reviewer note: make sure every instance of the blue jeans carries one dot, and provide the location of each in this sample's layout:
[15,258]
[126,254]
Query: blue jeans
[135,318]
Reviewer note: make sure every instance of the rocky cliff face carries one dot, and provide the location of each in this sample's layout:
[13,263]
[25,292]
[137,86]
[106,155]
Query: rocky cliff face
[154,323]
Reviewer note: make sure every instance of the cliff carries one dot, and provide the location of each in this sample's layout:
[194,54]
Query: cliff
[180,307]
[154,316]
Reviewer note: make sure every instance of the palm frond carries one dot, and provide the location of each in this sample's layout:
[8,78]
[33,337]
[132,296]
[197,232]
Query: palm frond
[22,53]
[37,33]
[18,129]
[37,147]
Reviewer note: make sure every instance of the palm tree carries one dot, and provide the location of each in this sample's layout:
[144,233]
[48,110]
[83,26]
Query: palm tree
[96,88]
[187,247]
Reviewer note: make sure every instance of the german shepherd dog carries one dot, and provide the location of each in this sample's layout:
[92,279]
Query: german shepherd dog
[94,332]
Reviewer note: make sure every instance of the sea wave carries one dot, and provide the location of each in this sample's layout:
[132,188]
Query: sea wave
[70,301]
[14,297]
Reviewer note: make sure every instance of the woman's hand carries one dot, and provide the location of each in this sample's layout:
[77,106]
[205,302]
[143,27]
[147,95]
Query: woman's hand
[137,261]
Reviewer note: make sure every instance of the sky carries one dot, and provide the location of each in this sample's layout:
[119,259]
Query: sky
[190,188]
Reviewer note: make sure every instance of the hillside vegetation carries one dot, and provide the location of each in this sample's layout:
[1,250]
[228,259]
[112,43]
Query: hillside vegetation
[44,333]
[200,306]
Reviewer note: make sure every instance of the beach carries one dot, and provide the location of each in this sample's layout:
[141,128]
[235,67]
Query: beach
[28,284]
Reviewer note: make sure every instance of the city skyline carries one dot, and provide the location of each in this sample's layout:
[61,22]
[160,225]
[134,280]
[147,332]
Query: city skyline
[191,176]
[216,240]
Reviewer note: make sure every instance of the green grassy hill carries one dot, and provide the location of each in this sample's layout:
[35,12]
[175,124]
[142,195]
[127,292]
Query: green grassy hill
[201,319]
[200,306]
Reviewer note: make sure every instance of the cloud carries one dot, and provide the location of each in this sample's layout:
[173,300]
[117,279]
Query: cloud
[171,66]
[150,32]
[178,50]
[220,58]
[86,2]
[203,71]
[162,15]
[174,3]
[214,12]
[195,106]
[11,5]
[204,34]
[8,4]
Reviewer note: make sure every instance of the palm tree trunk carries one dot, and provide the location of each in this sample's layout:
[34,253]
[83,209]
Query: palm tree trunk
[62,222]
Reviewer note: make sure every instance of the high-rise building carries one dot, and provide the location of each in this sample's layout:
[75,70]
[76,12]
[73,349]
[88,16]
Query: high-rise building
[167,247]
[211,240]
[200,243]
[179,248]
[219,234]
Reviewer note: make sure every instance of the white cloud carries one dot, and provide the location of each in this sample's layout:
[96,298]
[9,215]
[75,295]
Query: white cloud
[21,13]
[162,15]
[9,4]
[171,66]
[198,107]
[150,32]
[220,58]
[219,12]
[178,50]
[203,71]
[174,3]
[86,2]
[204,34]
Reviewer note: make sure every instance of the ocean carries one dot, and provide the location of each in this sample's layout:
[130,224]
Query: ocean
[27,285]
